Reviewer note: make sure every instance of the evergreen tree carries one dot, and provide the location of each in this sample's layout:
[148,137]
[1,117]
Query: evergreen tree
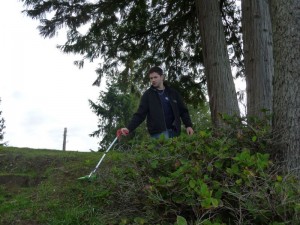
[258,52]
[114,110]
[286,37]
[2,127]
[221,89]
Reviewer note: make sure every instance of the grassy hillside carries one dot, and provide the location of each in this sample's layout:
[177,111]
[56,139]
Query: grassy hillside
[41,187]
[203,179]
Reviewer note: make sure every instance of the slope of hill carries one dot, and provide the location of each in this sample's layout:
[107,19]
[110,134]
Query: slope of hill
[200,179]
[40,187]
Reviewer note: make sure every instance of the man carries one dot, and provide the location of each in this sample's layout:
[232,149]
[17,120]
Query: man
[163,107]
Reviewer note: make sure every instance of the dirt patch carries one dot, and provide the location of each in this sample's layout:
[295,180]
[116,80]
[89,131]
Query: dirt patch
[19,180]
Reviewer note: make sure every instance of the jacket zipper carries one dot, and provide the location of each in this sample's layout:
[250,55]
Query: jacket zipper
[163,112]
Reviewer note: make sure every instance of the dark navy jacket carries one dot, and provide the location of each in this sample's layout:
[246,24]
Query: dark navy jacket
[151,107]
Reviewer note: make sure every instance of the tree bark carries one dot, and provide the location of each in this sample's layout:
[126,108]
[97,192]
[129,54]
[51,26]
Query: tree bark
[258,53]
[221,89]
[285,15]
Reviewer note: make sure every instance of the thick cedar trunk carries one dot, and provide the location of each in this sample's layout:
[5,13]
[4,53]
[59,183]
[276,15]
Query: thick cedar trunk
[258,52]
[221,89]
[286,37]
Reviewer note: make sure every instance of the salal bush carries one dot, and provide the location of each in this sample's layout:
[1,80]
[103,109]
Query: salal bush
[217,177]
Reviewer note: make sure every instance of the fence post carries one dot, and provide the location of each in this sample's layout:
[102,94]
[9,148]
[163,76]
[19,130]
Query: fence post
[65,138]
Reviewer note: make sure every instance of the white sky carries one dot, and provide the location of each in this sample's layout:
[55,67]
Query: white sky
[42,91]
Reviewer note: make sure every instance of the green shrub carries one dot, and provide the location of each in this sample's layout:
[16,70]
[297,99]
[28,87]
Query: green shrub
[215,177]
[223,177]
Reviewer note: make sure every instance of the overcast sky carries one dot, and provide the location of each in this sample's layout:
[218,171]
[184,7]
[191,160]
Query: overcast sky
[42,91]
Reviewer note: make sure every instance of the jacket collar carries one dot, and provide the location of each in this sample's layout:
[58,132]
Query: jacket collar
[156,90]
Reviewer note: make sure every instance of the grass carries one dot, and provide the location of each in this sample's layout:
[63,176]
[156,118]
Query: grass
[201,179]
[41,187]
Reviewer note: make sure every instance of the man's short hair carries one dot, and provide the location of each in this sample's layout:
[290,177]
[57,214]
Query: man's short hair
[156,69]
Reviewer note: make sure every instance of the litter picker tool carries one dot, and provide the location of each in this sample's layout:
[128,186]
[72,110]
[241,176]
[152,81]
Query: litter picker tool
[92,175]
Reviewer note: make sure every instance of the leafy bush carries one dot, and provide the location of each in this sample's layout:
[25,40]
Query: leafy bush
[214,177]
[223,177]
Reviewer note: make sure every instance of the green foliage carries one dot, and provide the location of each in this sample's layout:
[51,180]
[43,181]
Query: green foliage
[114,110]
[218,178]
[215,177]
[200,116]
[2,127]
[180,221]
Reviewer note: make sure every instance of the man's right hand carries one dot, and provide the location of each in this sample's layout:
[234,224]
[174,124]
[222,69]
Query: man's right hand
[124,131]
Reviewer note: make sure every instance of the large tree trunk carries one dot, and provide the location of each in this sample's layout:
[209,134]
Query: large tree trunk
[286,37]
[221,89]
[258,53]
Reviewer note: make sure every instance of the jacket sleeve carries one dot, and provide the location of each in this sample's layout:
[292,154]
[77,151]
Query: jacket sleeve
[140,114]
[184,112]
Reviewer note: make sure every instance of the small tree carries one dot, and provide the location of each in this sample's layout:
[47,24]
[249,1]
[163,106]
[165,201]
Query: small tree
[2,127]
[114,110]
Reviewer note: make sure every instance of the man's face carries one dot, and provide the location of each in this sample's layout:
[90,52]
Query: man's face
[156,80]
